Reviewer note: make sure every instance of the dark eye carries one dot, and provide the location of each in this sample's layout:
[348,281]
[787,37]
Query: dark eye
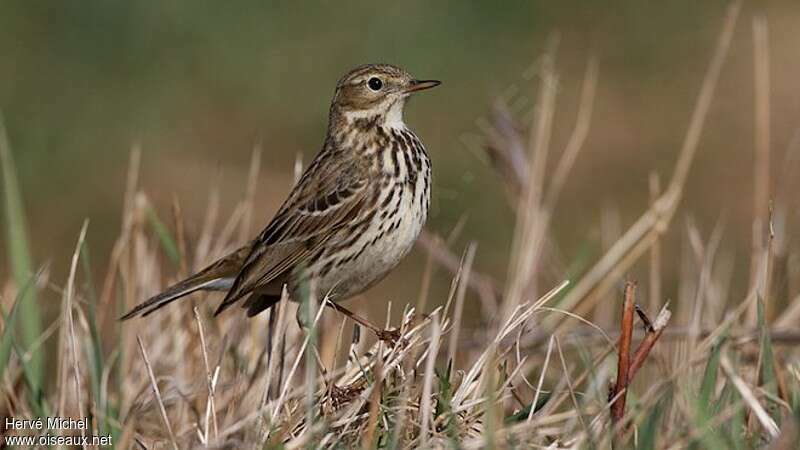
[375,84]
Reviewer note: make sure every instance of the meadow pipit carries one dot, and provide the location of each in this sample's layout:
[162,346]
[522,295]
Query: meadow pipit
[351,218]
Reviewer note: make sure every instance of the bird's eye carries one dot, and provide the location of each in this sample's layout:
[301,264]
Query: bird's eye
[375,84]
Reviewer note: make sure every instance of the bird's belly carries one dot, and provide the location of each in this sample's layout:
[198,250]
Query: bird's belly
[377,251]
[375,261]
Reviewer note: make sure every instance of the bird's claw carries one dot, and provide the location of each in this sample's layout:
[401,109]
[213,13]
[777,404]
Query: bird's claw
[389,336]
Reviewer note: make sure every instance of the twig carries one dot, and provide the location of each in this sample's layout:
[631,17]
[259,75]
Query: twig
[76,371]
[541,379]
[282,397]
[374,407]
[761,169]
[623,365]
[653,333]
[427,387]
[279,313]
[749,398]
[157,393]
[628,367]
[570,387]
[211,408]
[459,306]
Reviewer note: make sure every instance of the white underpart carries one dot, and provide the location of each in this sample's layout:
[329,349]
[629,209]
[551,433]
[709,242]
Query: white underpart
[394,117]
[358,114]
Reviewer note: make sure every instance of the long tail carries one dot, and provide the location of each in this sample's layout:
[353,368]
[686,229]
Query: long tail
[218,276]
[176,291]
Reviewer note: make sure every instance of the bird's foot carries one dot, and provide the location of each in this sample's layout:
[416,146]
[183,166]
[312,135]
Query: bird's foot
[341,396]
[391,337]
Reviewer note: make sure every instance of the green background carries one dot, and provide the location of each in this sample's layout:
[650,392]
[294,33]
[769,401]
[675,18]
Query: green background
[197,85]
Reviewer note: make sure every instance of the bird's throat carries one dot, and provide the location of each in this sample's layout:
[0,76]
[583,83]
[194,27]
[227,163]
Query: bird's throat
[387,116]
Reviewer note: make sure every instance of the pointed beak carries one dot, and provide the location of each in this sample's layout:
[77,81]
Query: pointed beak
[421,85]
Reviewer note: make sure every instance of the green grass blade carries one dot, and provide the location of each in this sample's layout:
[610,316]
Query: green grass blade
[711,436]
[8,335]
[36,395]
[30,321]
[737,429]
[649,429]
[768,378]
[9,321]
[708,405]
[93,343]
[9,343]
[444,405]
[709,383]
[164,236]
[522,414]
[96,346]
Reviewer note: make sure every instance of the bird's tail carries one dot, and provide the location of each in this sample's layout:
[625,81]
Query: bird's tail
[178,290]
[218,276]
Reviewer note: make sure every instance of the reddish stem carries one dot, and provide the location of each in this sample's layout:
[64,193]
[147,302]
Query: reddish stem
[623,367]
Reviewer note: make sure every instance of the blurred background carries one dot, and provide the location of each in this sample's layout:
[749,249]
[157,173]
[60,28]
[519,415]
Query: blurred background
[198,85]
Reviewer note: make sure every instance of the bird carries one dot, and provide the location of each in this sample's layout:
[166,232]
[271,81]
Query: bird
[355,212]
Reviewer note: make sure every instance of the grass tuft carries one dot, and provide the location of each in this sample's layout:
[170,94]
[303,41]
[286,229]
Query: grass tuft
[29,322]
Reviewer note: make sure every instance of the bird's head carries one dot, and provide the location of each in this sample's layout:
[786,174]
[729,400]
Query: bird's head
[376,93]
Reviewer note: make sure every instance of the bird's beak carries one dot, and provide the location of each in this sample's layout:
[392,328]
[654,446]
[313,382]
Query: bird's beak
[420,85]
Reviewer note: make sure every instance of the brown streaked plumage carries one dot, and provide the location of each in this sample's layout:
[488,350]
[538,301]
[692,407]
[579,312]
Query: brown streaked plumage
[353,215]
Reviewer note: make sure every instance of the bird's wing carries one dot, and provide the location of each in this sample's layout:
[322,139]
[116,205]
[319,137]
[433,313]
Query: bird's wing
[330,194]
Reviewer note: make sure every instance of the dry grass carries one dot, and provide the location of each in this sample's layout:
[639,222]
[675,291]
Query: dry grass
[537,372]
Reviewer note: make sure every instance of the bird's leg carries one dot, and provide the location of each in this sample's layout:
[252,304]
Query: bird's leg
[390,336]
